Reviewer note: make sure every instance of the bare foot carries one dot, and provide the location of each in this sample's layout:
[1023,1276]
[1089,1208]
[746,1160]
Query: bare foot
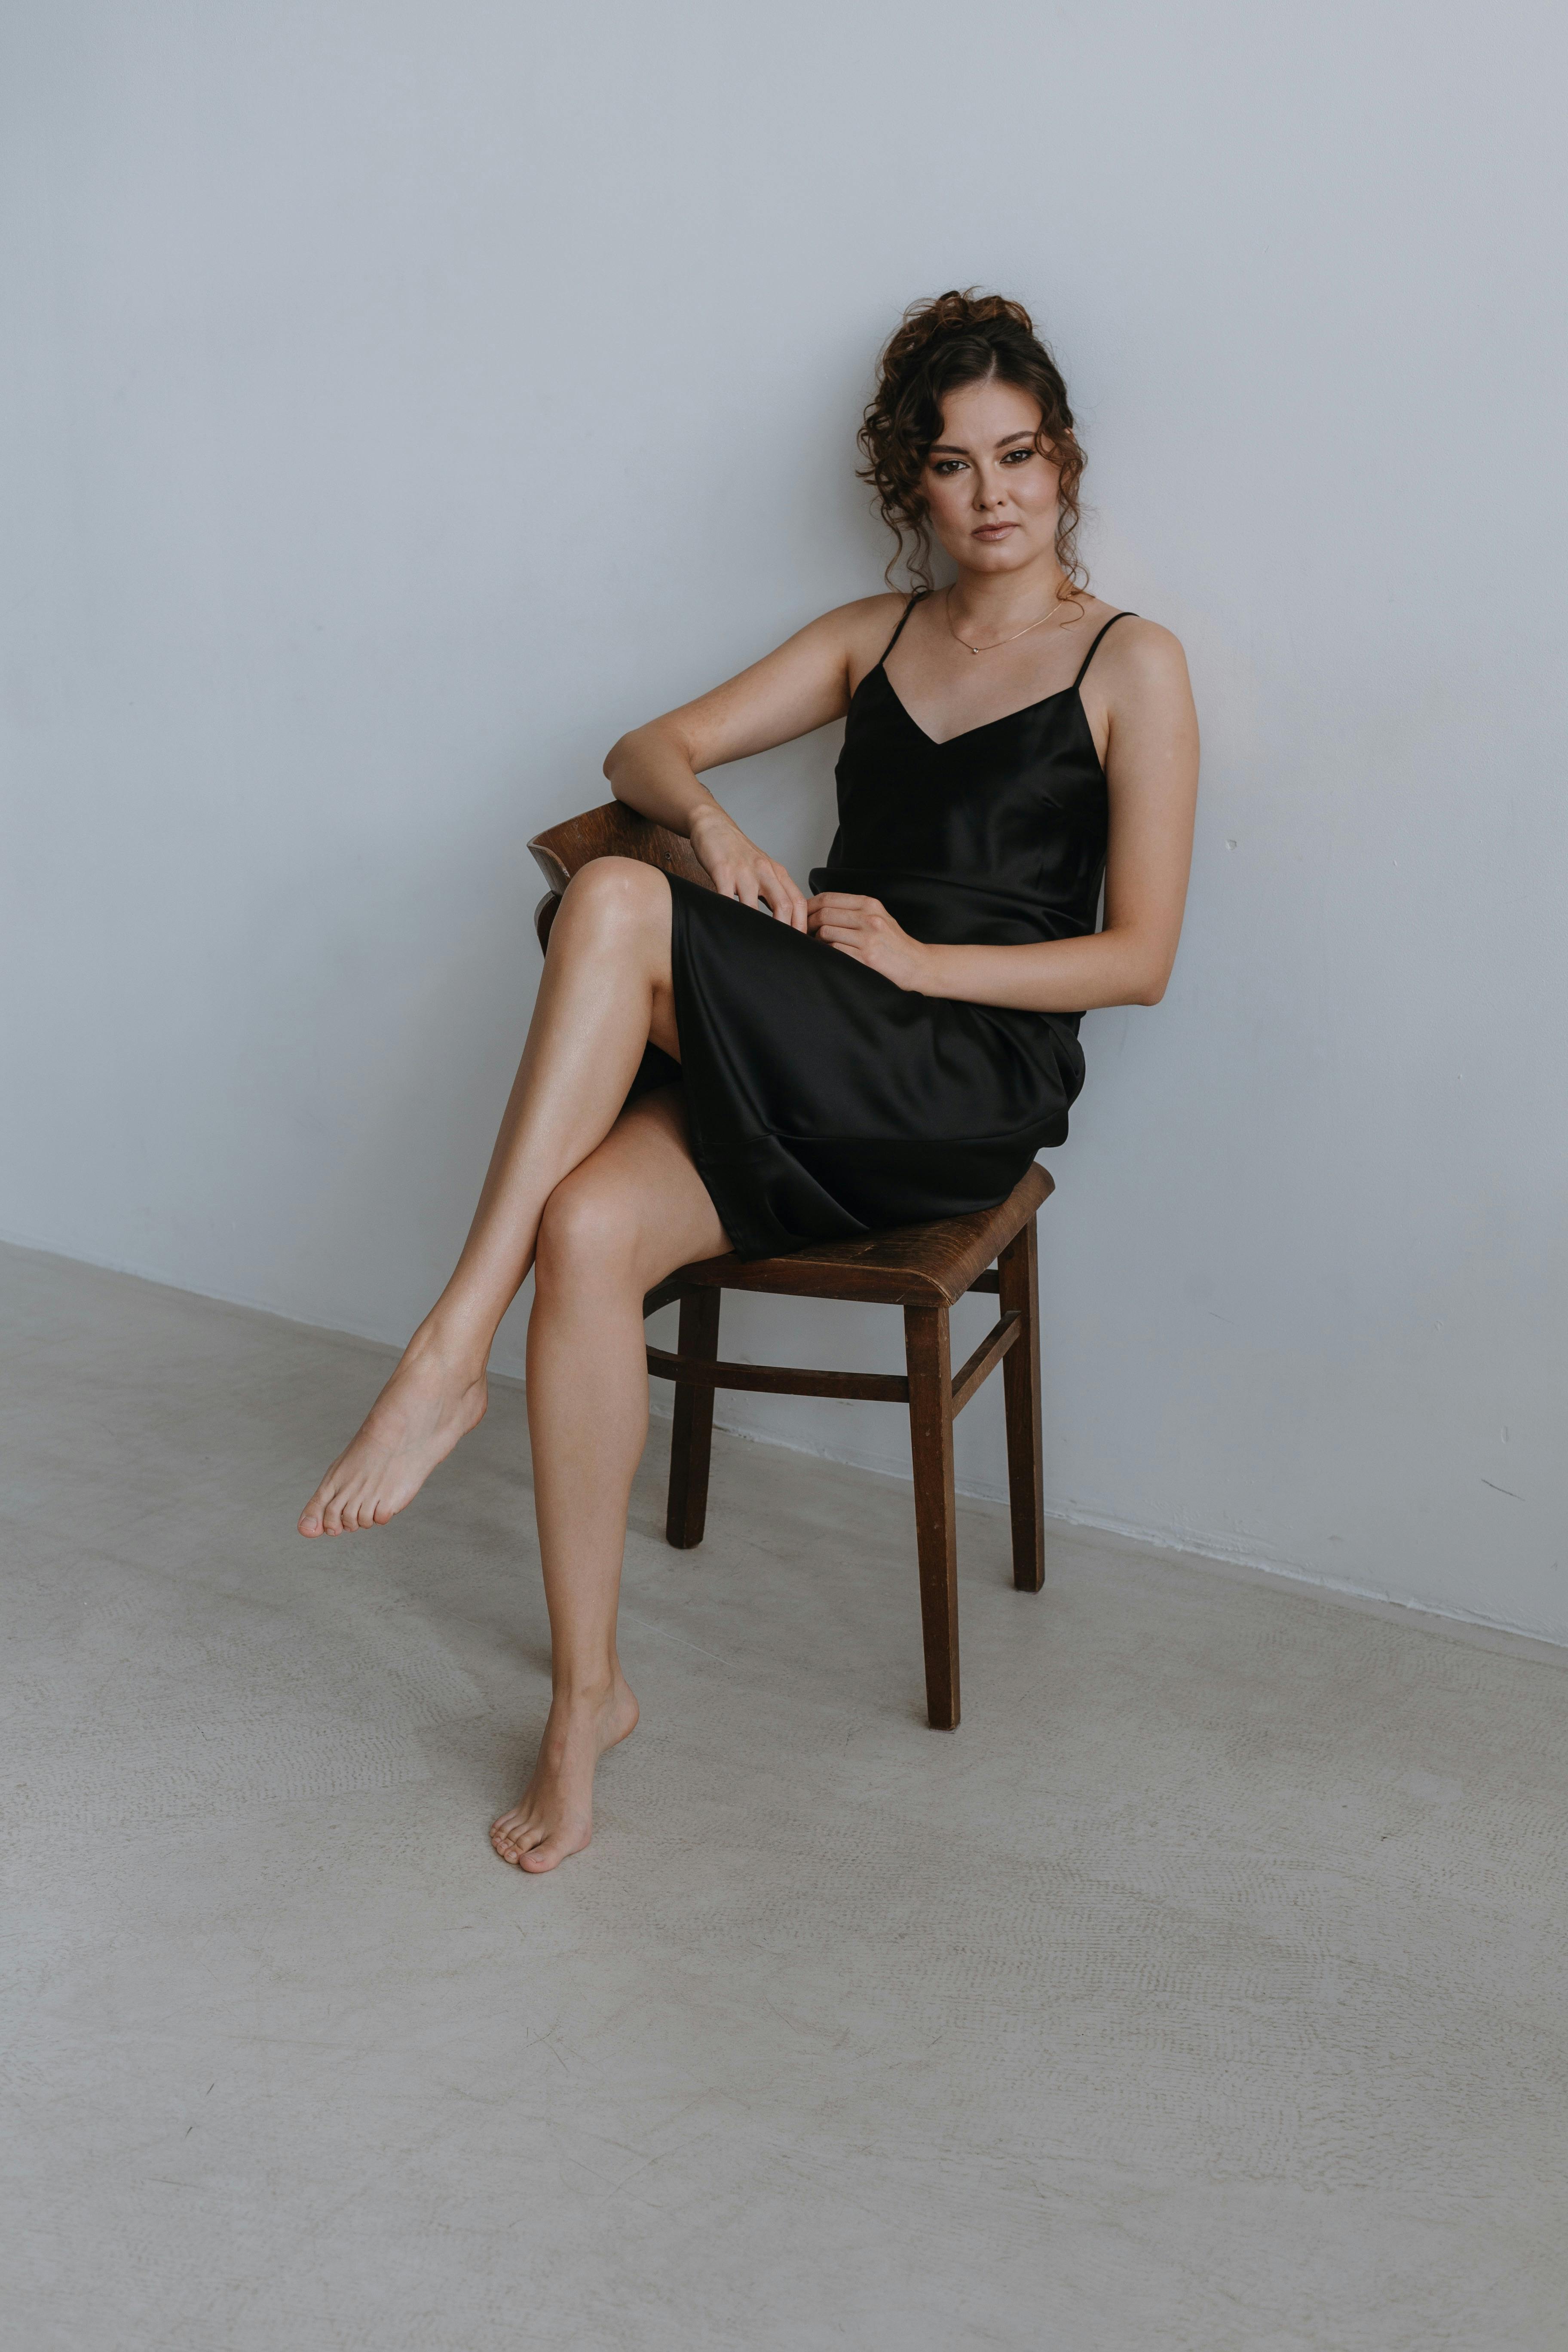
[556,1815]
[430,1402]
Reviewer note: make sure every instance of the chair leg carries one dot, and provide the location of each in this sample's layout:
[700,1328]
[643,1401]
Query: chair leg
[1019,1290]
[929,1362]
[691,1439]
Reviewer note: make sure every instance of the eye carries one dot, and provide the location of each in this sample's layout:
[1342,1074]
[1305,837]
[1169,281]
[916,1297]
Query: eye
[946,464]
[1022,455]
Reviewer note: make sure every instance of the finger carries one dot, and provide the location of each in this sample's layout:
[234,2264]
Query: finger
[775,889]
[790,907]
[785,896]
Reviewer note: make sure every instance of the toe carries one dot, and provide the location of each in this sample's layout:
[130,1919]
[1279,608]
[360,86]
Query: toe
[514,1835]
[556,1846]
[313,1519]
[545,1855]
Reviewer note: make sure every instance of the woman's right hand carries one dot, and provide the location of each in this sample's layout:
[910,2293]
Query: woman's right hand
[740,870]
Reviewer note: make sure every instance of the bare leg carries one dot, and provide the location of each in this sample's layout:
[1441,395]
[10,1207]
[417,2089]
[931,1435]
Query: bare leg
[606,990]
[624,1218]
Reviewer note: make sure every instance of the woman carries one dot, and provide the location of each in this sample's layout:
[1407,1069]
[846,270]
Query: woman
[895,1046]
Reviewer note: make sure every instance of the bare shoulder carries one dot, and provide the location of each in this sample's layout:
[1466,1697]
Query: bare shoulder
[1138,702]
[1141,655]
[859,632]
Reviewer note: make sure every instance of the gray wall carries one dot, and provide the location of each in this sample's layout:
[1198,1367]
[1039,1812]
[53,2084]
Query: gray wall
[401,401]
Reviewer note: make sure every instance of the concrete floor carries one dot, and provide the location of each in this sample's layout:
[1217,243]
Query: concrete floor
[1206,1991]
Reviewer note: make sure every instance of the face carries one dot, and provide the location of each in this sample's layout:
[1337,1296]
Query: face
[992,497]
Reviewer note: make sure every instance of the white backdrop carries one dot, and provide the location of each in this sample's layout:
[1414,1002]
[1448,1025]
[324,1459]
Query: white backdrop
[401,400]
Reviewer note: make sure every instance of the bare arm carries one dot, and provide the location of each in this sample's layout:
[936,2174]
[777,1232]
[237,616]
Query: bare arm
[657,767]
[1150,756]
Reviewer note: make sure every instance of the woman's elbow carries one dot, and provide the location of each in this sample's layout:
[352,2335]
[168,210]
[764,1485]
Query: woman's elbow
[1152,984]
[1141,970]
[650,742]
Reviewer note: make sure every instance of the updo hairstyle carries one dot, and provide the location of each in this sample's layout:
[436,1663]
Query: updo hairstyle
[955,340]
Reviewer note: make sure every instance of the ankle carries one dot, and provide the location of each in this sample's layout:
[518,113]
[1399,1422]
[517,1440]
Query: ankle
[454,1342]
[587,1689]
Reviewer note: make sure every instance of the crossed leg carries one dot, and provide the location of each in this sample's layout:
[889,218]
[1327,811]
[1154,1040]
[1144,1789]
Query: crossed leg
[633,1211]
[611,1202]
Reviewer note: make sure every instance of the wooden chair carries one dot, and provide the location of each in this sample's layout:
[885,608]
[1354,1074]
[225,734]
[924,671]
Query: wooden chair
[921,1268]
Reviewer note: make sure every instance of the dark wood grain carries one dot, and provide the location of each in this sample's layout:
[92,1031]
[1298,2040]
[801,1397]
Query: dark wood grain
[613,830]
[691,1437]
[983,1361]
[926,1353]
[906,1265]
[1020,1292]
[779,1380]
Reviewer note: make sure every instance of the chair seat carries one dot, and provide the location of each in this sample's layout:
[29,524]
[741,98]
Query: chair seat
[907,1265]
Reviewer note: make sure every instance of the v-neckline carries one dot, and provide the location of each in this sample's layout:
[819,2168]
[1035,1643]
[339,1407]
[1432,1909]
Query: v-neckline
[941,742]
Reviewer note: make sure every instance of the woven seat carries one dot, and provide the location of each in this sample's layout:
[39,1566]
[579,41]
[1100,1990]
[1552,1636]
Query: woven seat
[923,1269]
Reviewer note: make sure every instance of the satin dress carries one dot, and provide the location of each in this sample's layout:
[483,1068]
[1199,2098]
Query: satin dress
[823,1100]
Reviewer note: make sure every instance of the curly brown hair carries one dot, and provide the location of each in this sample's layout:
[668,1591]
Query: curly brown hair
[961,338]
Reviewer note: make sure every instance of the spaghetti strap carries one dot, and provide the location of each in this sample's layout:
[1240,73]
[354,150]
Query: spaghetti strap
[903,616]
[1089,655]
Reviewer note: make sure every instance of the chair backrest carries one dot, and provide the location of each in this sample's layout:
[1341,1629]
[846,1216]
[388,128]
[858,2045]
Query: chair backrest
[614,830]
[611,830]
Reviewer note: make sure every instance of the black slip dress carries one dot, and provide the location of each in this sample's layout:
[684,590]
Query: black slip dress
[822,1098]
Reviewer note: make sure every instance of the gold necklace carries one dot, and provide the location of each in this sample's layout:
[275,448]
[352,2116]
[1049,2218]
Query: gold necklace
[953,633]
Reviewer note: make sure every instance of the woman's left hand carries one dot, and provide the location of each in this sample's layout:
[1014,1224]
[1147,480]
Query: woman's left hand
[862,928]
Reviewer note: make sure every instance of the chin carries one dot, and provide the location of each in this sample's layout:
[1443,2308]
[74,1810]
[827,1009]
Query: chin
[997,555]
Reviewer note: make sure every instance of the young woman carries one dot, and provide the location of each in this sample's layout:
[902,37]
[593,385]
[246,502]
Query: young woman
[893,1047]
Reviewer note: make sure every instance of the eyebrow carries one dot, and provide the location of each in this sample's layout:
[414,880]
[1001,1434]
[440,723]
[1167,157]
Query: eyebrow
[957,449]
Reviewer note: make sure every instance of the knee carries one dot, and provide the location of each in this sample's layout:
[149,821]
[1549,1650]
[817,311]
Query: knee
[587,1235]
[616,893]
